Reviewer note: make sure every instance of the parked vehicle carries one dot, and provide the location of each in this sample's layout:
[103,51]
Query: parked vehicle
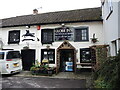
[10,61]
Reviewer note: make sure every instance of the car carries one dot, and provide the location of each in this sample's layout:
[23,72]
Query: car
[10,61]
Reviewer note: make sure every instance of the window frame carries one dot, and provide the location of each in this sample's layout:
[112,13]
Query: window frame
[46,50]
[18,37]
[48,32]
[80,36]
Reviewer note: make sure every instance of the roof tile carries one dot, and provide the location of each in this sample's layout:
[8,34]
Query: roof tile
[79,15]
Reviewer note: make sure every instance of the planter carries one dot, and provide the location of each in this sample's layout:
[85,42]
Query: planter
[43,70]
[33,72]
[50,72]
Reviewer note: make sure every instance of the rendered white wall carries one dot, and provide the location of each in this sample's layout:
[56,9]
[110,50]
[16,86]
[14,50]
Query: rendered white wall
[94,27]
[111,25]
[119,19]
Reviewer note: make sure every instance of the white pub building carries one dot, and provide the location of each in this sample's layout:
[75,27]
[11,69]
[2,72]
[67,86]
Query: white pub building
[64,37]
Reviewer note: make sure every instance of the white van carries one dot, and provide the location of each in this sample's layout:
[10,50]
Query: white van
[10,61]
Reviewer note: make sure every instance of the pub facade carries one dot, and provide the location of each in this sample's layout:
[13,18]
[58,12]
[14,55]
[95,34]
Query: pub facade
[63,38]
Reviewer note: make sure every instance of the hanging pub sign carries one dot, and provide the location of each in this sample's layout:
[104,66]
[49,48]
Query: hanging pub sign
[63,33]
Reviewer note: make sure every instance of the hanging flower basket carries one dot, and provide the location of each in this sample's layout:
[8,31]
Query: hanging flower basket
[94,40]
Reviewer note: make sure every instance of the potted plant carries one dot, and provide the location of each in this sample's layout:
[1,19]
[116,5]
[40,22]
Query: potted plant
[94,40]
[42,69]
[34,70]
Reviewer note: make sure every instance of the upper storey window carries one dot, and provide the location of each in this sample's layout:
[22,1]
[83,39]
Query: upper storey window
[81,34]
[47,36]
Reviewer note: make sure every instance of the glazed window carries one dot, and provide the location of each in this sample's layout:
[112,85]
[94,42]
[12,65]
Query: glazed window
[48,55]
[63,33]
[81,34]
[47,36]
[14,37]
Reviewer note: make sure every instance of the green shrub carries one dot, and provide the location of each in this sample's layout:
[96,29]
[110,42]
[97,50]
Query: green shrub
[100,83]
[108,74]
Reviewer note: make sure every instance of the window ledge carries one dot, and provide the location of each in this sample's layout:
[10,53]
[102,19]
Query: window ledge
[84,63]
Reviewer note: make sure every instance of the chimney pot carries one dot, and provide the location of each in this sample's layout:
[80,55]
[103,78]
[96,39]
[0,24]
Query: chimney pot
[35,11]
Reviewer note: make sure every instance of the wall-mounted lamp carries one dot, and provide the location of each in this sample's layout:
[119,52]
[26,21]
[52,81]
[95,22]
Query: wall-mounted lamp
[48,47]
[27,27]
[27,46]
[76,50]
[63,25]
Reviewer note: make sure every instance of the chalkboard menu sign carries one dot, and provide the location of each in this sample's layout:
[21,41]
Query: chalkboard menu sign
[63,33]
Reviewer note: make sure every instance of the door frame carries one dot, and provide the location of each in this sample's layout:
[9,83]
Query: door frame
[62,61]
[33,60]
[65,46]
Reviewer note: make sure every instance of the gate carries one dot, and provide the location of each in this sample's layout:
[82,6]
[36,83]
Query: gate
[28,58]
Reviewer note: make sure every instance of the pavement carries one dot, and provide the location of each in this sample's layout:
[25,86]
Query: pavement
[25,79]
[62,75]
[41,82]
[68,75]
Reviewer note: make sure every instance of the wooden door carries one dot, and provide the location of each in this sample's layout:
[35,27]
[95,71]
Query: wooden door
[28,58]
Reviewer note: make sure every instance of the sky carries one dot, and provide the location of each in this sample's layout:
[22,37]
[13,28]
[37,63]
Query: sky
[13,8]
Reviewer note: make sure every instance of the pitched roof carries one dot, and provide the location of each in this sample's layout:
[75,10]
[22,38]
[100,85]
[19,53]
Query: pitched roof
[79,15]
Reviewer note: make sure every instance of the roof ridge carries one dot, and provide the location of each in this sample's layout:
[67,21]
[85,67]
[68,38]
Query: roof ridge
[68,16]
[51,12]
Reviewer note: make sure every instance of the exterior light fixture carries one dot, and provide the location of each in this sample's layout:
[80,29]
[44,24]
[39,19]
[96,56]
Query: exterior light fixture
[48,47]
[27,27]
[63,24]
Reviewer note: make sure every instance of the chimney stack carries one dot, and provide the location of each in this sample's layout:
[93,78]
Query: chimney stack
[35,11]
